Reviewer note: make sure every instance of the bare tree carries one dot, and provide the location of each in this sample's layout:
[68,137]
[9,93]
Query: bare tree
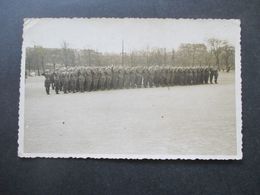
[228,52]
[216,49]
[39,53]
[218,52]
[191,54]
[173,57]
[65,53]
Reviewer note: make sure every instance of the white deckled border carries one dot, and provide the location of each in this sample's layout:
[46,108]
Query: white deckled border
[238,89]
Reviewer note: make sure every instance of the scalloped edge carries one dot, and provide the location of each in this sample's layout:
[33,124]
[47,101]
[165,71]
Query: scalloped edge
[239,123]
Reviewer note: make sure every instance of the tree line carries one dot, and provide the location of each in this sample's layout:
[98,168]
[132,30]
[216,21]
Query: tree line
[215,53]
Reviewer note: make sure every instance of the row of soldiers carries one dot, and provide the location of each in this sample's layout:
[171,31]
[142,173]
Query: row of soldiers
[82,79]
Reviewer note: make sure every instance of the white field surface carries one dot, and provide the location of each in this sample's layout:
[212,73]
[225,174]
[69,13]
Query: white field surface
[180,120]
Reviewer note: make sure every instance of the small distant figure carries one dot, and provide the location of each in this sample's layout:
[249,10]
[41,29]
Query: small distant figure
[228,68]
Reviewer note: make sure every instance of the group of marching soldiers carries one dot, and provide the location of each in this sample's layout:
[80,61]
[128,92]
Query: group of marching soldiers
[80,79]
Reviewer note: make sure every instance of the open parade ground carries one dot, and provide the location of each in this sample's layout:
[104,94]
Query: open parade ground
[197,120]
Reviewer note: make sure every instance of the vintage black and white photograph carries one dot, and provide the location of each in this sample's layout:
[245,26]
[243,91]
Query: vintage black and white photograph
[130,88]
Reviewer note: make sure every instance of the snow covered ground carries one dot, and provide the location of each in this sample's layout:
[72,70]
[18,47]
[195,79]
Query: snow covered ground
[198,120]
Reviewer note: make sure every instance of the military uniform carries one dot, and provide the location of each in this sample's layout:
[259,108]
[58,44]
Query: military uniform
[56,83]
[211,74]
[47,83]
[151,76]
[215,75]
[127,78]
[139,77]
[157,76]
[73,82]
[133,78]
[168,76]
[145,77]
[121,75]
[172,79]
[115,78]
[95,79]
[88,79]
[206,75]
[65,83]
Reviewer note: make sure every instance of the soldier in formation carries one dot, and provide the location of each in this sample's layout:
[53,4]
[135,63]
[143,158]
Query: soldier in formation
[81,79]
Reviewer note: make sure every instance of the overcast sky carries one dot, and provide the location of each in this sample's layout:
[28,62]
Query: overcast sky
[106,35]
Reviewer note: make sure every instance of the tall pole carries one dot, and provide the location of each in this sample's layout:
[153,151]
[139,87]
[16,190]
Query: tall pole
[122,53]
[173,57]
[89,60]
[147,56]
[164,57]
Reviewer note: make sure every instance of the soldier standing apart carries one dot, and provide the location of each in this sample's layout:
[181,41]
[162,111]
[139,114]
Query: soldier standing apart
[211,74]
[215,70]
